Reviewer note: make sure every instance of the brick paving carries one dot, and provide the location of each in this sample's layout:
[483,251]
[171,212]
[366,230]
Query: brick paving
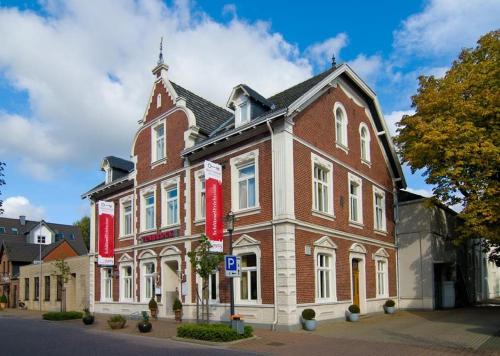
[454,332]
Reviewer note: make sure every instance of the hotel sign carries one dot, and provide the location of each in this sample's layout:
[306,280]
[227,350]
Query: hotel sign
[161,235]
[106,237]
[213,205]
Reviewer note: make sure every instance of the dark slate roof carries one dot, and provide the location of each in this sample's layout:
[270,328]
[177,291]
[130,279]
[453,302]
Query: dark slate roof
[404,196]
[208,115]
[256,96]
[120,163]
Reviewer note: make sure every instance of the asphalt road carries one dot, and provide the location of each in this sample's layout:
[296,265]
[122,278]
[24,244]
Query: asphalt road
[19,337]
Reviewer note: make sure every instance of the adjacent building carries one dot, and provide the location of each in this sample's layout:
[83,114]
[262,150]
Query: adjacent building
[310,173]
[24,242]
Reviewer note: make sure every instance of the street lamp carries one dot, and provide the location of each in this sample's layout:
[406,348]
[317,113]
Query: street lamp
[230,229]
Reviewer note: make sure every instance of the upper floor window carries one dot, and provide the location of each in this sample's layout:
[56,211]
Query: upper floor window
[158,100]
[322,185]
[126,217]
[148,208]
[340,125]
[150,211]
[242,112]
[200,195]
[355,199]
[379,209]
[158,142]
[364,137]
[172,206]
[244,181]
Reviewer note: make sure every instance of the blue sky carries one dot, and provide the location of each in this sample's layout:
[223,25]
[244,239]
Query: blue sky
[75,75]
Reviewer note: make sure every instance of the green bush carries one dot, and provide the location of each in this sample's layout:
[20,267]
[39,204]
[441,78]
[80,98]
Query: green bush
[308,314]
[116,319]
[354,309]
[390,303]
[153,305]
[62,315]
[3,298]
[212,332]
[177,305]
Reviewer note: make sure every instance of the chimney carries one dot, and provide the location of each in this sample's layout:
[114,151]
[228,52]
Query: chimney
[22,220]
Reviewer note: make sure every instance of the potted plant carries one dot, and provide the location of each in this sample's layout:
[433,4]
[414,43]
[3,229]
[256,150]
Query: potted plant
[3,301]
[144,325]
[153,308]
[354,312]
[117,322]
[88,318]
[308,319]
[389,306]
[177,308]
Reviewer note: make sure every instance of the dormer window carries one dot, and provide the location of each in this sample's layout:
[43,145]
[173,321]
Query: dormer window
[242,113]
[109,175]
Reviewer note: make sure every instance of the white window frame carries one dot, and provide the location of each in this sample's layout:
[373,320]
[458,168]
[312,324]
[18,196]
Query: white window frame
[154,142]
[199,280]
[328,166]
[242,113]
[166,186]
[144,277]
[237,163]
[41,239]
[199,187]
[145,192]
[325,246]
[385,277]
[366,140]
[123,267]
[104,281]
[344,142]
[359,182]
[126,202]
[379,192]
[252,248]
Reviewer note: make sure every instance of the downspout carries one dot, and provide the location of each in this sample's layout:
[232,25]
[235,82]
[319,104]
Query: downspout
[275,321]
[396,235]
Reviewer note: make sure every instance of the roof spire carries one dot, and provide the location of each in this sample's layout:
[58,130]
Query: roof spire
[160,57]
[334,61]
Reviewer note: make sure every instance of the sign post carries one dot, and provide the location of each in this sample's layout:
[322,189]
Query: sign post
[106,255]
[213,206]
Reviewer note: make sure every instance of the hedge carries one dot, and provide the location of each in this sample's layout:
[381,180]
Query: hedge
[212,332]
[62,315]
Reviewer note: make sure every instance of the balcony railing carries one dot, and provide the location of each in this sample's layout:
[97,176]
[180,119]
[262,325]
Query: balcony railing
[4,278]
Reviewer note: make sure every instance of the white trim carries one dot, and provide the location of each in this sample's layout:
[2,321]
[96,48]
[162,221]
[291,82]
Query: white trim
[383,228]
[166,186]
[241,161]
[199,213]
[328,166]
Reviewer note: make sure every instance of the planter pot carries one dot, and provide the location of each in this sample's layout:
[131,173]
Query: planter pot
[154,313]
[178,315]
[88,319]
[117,324]
[310,325]
[144,326]
[353,316]
[3,305]
[389,310]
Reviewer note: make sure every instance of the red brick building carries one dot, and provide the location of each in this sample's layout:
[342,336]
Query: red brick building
[310,174]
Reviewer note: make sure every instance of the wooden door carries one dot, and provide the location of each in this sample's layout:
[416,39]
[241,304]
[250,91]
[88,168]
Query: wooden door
[355,282]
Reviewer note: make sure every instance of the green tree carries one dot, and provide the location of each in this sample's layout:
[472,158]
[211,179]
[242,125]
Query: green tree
[2,182]
[84,225]
[205,263]
[454,137]
[63,273]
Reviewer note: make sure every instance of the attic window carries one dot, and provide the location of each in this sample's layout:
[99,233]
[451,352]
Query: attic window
[242,114]
[109,175]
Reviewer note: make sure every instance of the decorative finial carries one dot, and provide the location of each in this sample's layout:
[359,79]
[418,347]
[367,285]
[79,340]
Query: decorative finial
[160,57]
[334,61]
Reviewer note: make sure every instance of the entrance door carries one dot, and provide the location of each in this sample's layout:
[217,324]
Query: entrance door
[355,282]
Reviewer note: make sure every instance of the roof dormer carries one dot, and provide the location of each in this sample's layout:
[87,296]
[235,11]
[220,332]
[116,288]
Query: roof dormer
[247,104]
[115,167]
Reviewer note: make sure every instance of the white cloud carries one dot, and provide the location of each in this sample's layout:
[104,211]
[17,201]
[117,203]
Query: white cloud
[368,68]
[86,69]
[321,53]
[394,117]
[444,27]
[16,206]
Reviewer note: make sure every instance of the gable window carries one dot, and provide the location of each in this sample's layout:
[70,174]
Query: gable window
[200,195]
[148,209]
[40,239]
[158,100]
[26,289]
[126,217]
[355,199]
[244,181]
[364,137]
[47,288]
[340,126]
[322,195]
[158,143]
[382,278]
[379,209]
[126,283]
[248,279]
[107,284]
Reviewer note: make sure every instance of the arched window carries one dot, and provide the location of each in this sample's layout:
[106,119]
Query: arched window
[364,137]
[340,126]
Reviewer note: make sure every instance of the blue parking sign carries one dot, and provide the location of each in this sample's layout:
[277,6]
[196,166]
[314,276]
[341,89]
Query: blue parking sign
[232,265]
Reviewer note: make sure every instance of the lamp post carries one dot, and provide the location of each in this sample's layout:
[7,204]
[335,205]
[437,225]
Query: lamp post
[230,229]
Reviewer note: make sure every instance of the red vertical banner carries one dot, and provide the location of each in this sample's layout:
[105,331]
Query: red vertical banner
[213,205]
[106,214]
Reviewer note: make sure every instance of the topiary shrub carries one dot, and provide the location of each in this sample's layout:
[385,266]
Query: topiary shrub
[67,315]
[3,298]
[212,332]
[152,304]
[390,303]
[354,309]
[177,305]
[308,314]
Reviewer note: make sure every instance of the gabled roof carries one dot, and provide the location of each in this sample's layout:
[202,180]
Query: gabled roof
[250,93]
[208,115]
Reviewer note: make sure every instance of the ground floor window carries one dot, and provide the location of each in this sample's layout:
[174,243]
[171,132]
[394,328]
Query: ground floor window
[26,289]
[59,288]
[248,280]
[37,288]
[47,288]
[127,285]
[107,284]
[149,280]
[382,280]
[324,276]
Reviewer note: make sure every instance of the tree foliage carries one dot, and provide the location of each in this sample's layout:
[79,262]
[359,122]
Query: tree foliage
[84,225]
[63,271]
[2,182]
[454,137]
